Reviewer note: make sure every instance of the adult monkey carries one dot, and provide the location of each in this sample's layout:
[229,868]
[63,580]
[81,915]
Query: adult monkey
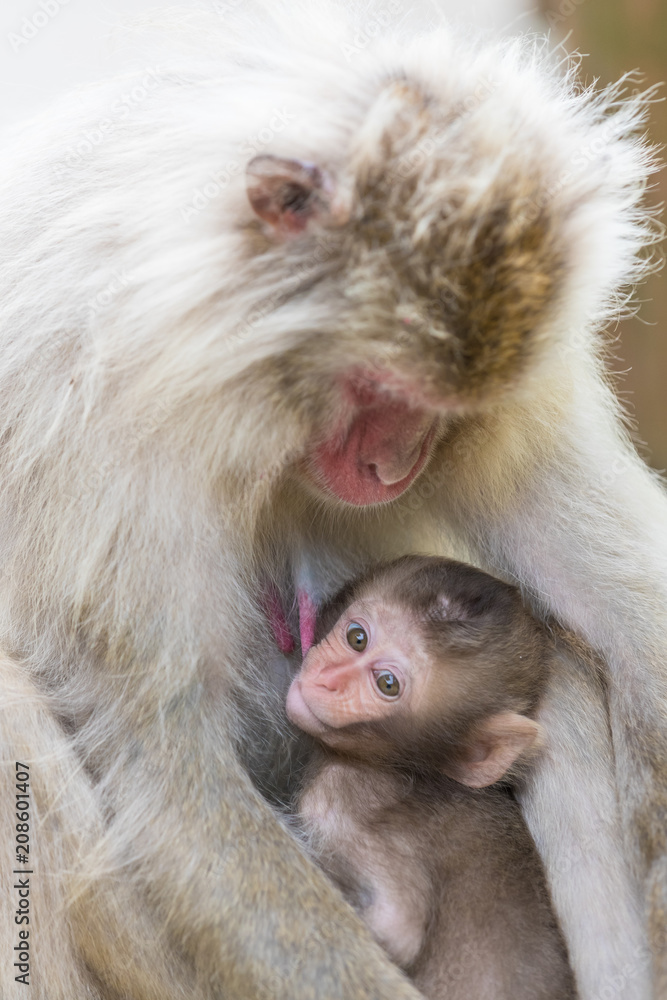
[209,401]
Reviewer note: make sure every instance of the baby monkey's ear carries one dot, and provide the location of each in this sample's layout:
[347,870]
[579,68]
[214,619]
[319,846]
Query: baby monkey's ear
[288,194]
[494,746]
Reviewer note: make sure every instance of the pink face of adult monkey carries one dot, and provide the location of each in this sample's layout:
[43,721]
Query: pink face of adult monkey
[382,429]
[408,272]
[382,443]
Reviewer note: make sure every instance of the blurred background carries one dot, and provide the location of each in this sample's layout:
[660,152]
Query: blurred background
[621,35]
[48,46]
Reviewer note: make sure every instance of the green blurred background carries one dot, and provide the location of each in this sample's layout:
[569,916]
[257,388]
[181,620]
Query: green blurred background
[621,35]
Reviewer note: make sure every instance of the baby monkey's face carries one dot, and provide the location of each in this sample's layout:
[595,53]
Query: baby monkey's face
[372,664]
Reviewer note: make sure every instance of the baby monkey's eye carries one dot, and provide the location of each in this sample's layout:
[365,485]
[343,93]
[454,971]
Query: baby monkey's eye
[356,636]
[388,683]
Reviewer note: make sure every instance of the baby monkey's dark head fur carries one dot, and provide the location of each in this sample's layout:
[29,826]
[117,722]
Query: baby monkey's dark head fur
[487,652]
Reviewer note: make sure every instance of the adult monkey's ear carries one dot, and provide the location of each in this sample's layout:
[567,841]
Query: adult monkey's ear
[288,194]
[495,745]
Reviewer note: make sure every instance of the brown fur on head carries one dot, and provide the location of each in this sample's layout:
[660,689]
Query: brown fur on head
[471,278]
[445,259]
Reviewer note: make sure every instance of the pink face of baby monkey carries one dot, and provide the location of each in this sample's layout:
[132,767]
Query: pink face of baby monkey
[369,666]
[373,664]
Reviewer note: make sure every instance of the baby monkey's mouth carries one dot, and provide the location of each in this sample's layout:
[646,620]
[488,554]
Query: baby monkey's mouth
[301,714]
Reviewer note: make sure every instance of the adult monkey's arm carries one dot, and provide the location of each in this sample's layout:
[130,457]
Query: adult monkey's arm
[225,881]
[580,520]
[78,903]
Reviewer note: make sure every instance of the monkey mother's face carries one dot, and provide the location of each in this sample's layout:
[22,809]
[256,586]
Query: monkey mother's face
[380,447]
[437,281]
[370,666]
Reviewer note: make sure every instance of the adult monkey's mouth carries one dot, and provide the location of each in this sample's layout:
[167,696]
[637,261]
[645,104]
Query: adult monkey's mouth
[381,451]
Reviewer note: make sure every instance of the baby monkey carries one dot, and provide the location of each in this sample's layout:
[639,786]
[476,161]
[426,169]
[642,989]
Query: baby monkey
[419,693]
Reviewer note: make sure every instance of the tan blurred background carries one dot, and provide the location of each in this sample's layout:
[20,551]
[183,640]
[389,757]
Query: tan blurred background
[621,35]
[79,40]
